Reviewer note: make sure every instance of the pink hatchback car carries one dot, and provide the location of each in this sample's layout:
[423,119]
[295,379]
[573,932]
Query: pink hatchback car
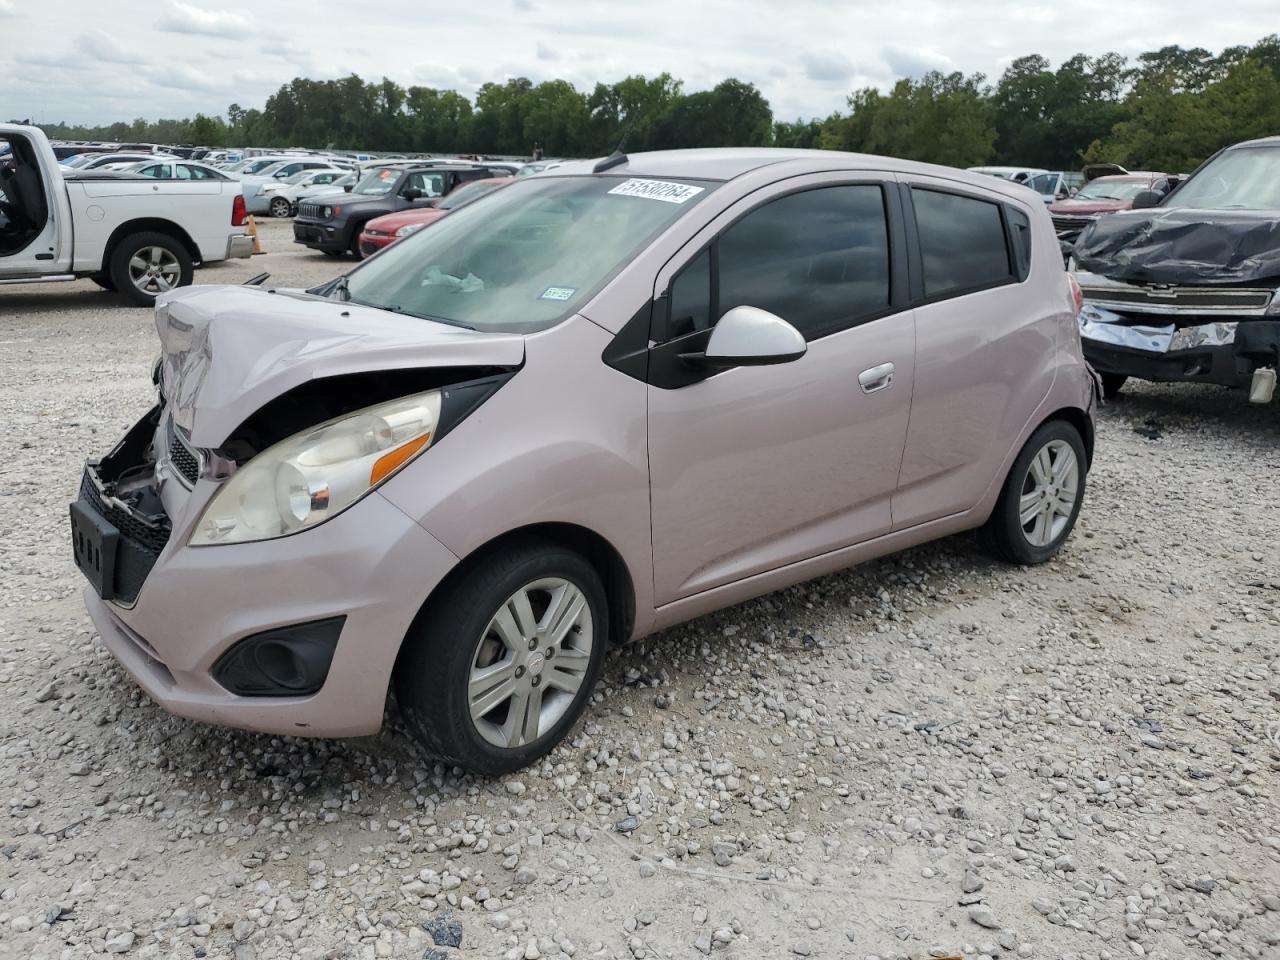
[586,407]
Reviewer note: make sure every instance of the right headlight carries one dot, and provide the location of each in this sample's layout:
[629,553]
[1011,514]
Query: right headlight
[409,228]
[314,475]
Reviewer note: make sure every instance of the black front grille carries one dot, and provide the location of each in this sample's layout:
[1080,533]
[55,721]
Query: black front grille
[1062,223]
[310,211]
[141,540]
[180,455]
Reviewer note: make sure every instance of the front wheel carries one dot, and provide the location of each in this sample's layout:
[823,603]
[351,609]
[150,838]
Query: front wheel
[145,265]
[1041,497]
[496,671]
[281,207]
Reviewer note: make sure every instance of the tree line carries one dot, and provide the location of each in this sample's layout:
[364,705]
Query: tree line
[1167,109]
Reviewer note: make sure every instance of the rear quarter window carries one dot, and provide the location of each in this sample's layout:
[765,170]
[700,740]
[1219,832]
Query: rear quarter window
[963,246]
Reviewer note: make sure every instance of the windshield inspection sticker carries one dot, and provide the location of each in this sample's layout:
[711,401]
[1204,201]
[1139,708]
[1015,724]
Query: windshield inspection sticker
[557,293]
[662,190]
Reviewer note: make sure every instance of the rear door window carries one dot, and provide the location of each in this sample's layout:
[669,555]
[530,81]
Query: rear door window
[963,246]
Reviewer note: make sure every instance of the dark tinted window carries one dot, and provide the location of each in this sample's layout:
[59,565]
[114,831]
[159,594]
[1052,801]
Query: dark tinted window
[818,259]
[691,297]
[962,242]
[1020,227]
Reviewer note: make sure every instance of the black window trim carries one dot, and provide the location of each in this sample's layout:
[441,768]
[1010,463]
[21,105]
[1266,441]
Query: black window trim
[919,298]
[897,249]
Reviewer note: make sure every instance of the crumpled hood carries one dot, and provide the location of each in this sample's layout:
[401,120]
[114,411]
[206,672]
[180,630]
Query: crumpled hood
[227,350]
[1182,246]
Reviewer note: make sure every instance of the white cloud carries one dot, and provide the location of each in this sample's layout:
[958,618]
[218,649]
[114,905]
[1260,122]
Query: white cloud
[88,60]
[185,18]
[97,45]
[830,67]
[914,62]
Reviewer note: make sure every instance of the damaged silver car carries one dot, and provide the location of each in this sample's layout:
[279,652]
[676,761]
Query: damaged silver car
[1188,288]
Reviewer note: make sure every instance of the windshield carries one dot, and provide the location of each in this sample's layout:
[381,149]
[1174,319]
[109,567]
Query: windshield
[300,176]
[377,182]
[467,193]
[1046,183]
[528,256]
[255,166]
[80,159]
[1112,190]
[1242,179]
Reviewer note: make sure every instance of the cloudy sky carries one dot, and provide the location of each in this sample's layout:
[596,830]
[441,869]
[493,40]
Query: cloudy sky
[90,61]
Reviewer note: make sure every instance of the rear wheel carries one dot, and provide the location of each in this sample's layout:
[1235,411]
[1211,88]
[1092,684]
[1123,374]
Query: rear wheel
[1113,383]
[497,670]
[281,207]
[1041,498]
[145,265]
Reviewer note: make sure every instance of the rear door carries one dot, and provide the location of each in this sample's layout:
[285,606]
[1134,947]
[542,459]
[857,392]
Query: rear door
[35,216]
[985,343]
[757,467]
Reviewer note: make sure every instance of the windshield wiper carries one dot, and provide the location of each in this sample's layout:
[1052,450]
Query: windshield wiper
[396,308]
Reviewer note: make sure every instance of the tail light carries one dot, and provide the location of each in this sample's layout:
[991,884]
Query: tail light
[1077,295]
[238,212]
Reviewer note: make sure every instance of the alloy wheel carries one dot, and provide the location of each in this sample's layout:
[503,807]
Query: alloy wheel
[530,662]
[280,207]
[153,270]
[1049,493]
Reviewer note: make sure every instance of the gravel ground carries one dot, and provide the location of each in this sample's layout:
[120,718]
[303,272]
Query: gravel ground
[931,755]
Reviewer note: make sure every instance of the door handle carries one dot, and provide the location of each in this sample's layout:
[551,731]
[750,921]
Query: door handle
[876,378]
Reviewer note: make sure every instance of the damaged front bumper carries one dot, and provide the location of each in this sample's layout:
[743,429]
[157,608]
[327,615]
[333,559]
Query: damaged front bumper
[170,613]
[1225,336]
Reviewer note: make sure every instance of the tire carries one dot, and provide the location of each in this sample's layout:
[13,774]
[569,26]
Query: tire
[1113,383]
[475,626]
[135,254]
[104,281]
[332,253]
[281,207]
[1005,534]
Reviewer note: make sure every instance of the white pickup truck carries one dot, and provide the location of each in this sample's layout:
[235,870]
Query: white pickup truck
[134,234]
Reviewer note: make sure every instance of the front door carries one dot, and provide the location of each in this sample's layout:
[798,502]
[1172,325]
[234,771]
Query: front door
[757,467]
[32,209]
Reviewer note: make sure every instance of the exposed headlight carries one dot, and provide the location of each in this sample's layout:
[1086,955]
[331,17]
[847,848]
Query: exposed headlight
[329,211]
[409,228]
[316,474]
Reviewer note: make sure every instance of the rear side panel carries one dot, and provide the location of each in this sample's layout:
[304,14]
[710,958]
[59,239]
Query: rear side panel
[200,208]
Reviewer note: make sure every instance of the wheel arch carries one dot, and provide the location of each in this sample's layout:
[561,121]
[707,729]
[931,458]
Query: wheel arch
[1083,424]
[608,562]
[149,225]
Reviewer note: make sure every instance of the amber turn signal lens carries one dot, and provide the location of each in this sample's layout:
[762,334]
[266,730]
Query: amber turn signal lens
[389,463]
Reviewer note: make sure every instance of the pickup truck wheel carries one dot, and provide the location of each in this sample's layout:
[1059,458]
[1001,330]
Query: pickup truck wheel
[281,207]
[145,265]
[104,281]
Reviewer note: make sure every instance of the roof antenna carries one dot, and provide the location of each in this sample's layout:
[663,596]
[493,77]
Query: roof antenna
[617,157]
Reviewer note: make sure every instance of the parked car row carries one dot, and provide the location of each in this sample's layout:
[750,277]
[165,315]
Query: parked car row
[333,223]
